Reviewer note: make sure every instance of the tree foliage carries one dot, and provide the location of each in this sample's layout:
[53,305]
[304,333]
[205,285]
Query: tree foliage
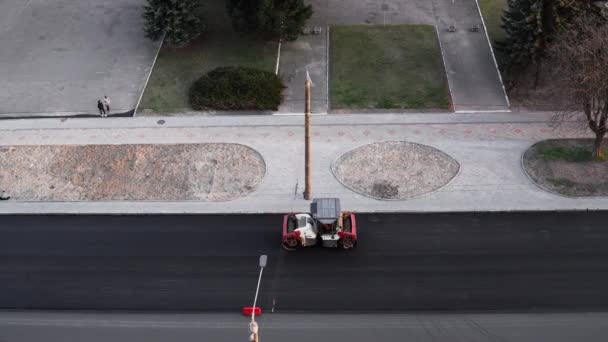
[179,20]
[237,88]
[579,64]
[530,26]
[271,19]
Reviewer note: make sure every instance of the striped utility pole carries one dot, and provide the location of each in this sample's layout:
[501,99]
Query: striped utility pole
[307,190]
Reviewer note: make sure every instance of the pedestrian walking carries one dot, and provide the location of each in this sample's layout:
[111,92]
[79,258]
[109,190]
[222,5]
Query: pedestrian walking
[102,110]
[106,102]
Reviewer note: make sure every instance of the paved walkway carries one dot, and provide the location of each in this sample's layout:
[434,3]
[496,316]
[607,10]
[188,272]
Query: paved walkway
[307,54]
[487,146]
[59,57]
[472,74]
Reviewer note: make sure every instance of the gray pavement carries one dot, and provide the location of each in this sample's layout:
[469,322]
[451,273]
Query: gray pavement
[177,327]
[373,12]
[474,80]
[457,261]
[59,57]
[307,54]
[488,147]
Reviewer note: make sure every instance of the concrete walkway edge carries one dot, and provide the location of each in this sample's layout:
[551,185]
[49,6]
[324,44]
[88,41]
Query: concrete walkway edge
[143,89]
[246,119]
[445,69]
[485,31]
[488,148]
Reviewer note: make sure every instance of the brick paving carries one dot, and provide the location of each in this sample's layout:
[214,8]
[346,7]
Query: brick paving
[488,147]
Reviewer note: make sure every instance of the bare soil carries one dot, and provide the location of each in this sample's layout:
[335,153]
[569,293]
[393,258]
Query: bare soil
[395,170]
[525,96]
[569,178]
[202,172]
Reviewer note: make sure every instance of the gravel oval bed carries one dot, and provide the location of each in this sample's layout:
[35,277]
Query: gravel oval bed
[200,172]
[395,170]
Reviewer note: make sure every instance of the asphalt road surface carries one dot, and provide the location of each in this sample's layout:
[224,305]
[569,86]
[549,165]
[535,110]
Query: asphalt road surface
[489,261]
[104,327]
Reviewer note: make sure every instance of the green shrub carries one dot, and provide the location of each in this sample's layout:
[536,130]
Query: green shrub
[237,88]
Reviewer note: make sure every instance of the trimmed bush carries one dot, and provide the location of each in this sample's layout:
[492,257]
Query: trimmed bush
[237,88]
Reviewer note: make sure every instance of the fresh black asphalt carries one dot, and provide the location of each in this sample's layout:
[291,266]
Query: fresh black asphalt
[459,261]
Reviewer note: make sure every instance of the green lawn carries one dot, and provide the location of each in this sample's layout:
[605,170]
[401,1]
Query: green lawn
[570,154]
[177,69]
[492,15]
[387,67]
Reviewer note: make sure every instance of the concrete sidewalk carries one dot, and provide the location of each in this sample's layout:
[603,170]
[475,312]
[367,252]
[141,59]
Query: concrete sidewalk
[474,79]
[487,146]
[50,326]
[59,57]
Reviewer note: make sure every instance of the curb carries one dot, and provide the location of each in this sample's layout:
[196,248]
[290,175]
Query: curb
[485,30]
[276,70]
[79,211]
[445,69]
[327,61]
[127,114]
[149,74]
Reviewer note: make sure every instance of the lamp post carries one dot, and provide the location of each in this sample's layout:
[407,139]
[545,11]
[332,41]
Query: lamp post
[253,326]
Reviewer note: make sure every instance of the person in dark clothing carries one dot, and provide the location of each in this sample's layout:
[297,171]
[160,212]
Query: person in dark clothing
[102,110]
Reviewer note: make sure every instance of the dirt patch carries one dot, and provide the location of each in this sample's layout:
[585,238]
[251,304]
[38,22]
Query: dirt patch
[202,172]
[395,170]
[565,172]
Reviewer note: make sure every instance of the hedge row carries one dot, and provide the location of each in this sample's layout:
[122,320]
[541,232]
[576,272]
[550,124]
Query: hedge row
[237,88]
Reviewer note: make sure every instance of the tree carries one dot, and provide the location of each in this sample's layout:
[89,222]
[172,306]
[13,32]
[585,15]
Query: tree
[521,28]
[243,14]
[579,61]
[530,25]
[179,20]
[272,19]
